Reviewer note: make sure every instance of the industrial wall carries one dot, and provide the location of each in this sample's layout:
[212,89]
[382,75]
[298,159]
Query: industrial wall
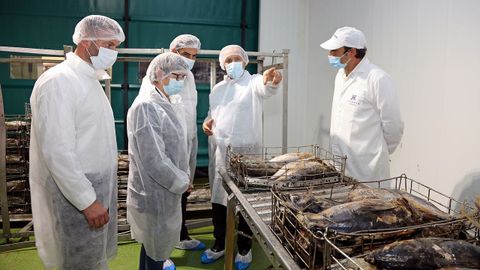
[283,25]
[49,24]
[430,49]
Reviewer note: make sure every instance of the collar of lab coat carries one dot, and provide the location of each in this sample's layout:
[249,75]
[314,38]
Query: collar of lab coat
[173,99]
[360,68]
[157,94]
[78,64]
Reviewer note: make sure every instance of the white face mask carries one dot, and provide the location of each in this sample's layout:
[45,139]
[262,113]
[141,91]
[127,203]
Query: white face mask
[234,70]
[174,87]
[189,62]
[105,58]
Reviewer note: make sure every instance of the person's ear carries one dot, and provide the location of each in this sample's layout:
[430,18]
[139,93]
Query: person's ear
[166,81]
[353,52]
[84,43]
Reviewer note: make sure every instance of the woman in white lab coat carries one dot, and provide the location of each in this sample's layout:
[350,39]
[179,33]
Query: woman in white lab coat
[159,172]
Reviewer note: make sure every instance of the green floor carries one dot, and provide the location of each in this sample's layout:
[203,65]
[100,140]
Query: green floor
[127,256]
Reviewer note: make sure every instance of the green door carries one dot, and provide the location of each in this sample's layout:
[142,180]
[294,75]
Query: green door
[49,24]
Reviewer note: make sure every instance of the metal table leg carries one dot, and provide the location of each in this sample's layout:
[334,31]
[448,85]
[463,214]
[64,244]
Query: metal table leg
[274,250]
[230,233]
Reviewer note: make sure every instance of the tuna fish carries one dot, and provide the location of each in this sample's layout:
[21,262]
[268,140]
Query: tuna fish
[424,210]
[302,170]
[363,192]
[289,157]
[426,254]
[308,203]
[290,166]
[364,215]
[254,166]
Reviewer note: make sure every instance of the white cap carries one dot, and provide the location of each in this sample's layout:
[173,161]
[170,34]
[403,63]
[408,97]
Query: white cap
[345,37]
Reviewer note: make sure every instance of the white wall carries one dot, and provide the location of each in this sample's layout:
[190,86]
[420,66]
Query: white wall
[430,49]
[283,26]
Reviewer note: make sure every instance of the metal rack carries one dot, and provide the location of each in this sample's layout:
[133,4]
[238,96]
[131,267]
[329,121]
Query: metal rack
[274,250]
[327,245]
[255,205]
[17,147]
[50,57]
[254,166]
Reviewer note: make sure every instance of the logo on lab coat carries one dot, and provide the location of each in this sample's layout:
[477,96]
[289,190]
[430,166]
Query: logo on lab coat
[354,100]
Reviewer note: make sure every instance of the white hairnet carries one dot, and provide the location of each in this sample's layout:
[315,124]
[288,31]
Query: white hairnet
[232,50]
[164,64]
[185,41]
[97,27]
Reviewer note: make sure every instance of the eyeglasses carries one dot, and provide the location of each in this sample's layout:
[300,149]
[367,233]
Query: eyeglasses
[177,76]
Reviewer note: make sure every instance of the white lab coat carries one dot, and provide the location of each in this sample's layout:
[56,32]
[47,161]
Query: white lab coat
[236,107]
[366,125]
[73,162]
[158,173]
[189,100]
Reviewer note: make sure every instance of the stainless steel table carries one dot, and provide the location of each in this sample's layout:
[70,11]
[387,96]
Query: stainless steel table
[256,209]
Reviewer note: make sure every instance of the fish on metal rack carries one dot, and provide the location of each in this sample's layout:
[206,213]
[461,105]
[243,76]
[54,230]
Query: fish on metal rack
[200,195]
[472,214]
[289,157]
[301,170]
[424,210]
[425,254]
[362,192]
[364,215]
[123,162]
[307,203]
[255,166]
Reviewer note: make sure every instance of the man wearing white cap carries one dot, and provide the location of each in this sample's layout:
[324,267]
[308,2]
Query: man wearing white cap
[73,153]
[366,125]
[187,46]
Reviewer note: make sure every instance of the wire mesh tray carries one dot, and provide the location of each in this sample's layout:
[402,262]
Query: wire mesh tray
[308,244]
[300,166]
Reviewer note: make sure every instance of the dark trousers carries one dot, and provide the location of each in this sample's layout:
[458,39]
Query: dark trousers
[219,219]
[184,232]
[147,263]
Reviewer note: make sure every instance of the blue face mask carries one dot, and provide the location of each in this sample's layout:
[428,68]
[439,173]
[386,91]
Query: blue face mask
[173,87]
[188,61]
[334,61]
[234,70]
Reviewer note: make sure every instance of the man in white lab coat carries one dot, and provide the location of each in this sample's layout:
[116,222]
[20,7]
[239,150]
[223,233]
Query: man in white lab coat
[73,153]
[235,119]
[187,47]
[366,125]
